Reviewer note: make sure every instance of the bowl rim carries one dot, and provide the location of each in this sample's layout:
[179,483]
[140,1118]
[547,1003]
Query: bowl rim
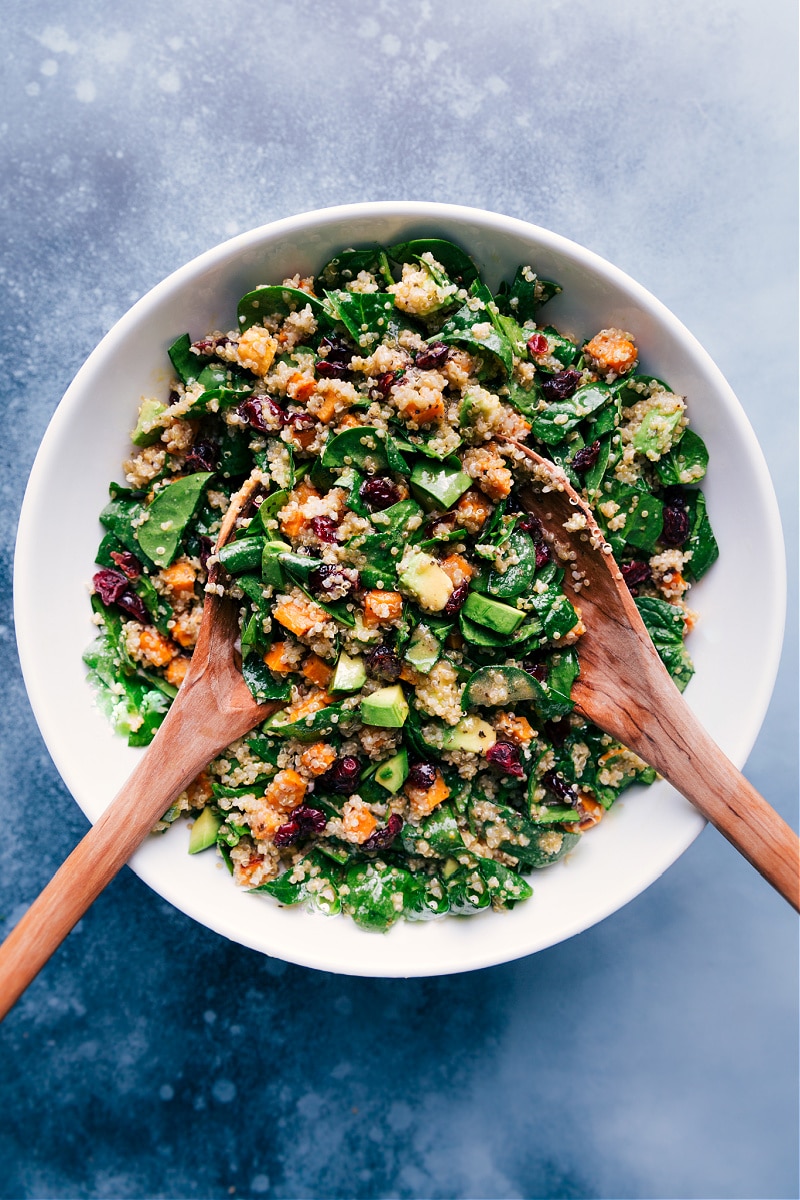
[229,250]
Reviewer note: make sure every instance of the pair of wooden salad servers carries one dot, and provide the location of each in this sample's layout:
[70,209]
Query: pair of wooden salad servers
[623,688]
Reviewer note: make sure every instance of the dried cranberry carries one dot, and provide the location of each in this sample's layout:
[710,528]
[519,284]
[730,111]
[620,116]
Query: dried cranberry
[335,350]
[262,413]
[557,731]
[561,385]
[560,788]
[675,529]
[422,775]
[324,528]
[343,775]
[586,457]
[531,524]
[537,669]
[383,384]
[505,756]
[538,344]
[635,574]
[299,420]
[133,605]
[211,345]
[379,493]
[381,839]
[327,369]
[457,599]
[128,563]
[203,456]
[303,822]
[110,585]
[383,663]
[435,354]
[206,550]
[331,582]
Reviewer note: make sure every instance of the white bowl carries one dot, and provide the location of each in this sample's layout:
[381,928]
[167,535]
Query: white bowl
[735,646]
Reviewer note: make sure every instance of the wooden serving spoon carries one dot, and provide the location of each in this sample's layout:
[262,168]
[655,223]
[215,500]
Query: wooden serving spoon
[213,707]
[625,689]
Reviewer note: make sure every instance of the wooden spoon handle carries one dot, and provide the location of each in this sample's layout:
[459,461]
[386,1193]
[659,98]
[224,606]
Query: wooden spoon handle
[677,745]
[162,774]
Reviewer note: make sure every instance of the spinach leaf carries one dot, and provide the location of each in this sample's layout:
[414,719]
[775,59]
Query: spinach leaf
[277,300]
[473,326]
[348,264]
[665,624]
[685,463]
[437,835]
[262,683]
[369,317]
[554,422]
[314,881]
[642,513]
[187,365]
[456,262]
[701,540]
[168,515]
[525,295]
[376,894]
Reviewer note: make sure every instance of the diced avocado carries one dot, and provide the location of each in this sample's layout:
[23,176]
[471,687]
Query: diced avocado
[423,649]
[271,569]
[427,582]
[387,707]
[472,734]
[438,485]
[393,773]
[148,429]
[348,676]
[204,831]
[502,618]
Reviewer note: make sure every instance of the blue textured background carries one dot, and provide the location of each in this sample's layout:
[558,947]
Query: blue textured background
[656,1054]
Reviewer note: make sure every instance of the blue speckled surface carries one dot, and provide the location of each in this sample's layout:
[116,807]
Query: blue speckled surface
[656,1054]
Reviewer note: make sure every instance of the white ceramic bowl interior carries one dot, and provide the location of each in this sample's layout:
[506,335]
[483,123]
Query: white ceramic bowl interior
[735,646]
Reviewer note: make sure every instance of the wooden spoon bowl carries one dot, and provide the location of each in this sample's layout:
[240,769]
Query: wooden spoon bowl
[624,688]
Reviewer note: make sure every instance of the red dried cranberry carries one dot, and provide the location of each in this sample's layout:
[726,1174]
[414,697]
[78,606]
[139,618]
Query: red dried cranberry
[327,369]
[342,776]
[538,344]
[379,493]
[331,582]
[110,585]
[561,385]
[635,574]
[505,756]
[299,420]
[211,345]
[303,822]
[543,555]
[531,524]
[128,563]
[383,663]
[324,528]
[422,775]
[457,599]
[560,788]
[335,350]
[381,839]
[557,731]
[586,457]
[382,385]
[675,529]
[537,669]
[435,354]
[133,605]
[203,456]
[262,413]
[206,550]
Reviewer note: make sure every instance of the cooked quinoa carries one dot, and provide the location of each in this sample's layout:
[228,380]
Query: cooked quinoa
[400,609]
